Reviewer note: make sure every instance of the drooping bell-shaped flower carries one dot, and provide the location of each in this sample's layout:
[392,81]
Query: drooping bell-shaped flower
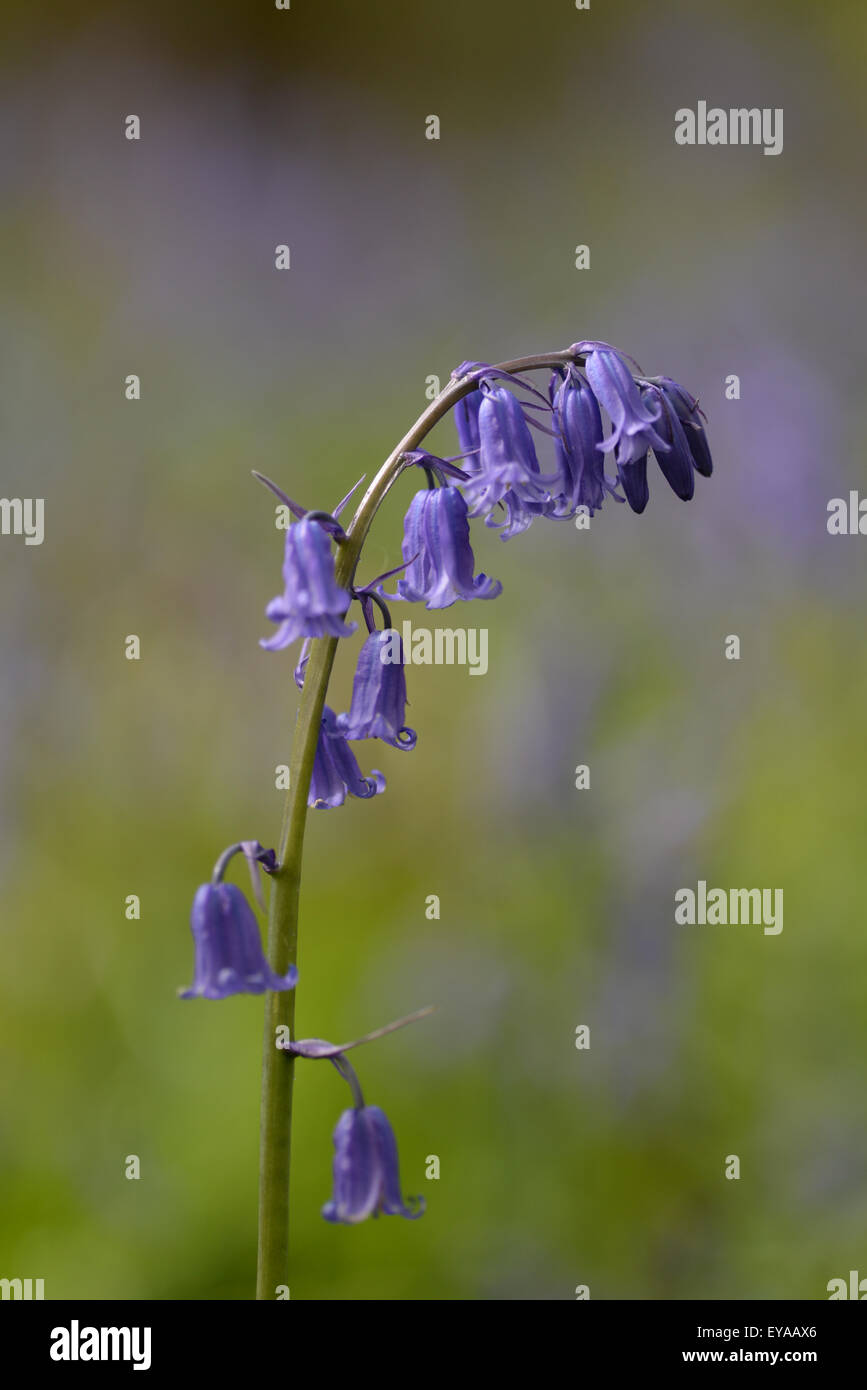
[467,425]
[366,1170]
[686,408]
[507,456]
[437,552]
[312,603]
[229,955]
[379,693]
[578,446]
[633,421]
[335,770]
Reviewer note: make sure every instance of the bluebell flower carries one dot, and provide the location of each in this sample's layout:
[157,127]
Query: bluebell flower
[578,446]
[508,466]
[467,425]
[366,1170]
[313,604]
[437,553]
[336,771]
[229,955]
[686,408]
[616,390]
[379,694]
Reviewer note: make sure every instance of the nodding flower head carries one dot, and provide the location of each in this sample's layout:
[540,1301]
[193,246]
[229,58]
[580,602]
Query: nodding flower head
[437,552]
[229,955]
[335,770]
[366,1170]
[312,604]
[379,693]
[632,418]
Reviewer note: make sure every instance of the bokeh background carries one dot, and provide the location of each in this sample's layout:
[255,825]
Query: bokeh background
[558,1167]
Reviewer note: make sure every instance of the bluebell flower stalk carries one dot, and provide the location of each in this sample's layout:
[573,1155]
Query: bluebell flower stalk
[504,479]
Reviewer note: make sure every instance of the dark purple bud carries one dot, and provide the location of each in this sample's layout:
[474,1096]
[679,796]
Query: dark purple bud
[312,604]
[633,479]
[686,408]
[229,956]
[366,1170]
[437,552]
[675,461]
[335,770]
[379,694]
[617,392]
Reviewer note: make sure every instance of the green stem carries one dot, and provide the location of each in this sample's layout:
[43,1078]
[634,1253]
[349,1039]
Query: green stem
[278,1067]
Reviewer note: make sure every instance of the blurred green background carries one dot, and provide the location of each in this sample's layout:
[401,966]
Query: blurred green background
[558,1167]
